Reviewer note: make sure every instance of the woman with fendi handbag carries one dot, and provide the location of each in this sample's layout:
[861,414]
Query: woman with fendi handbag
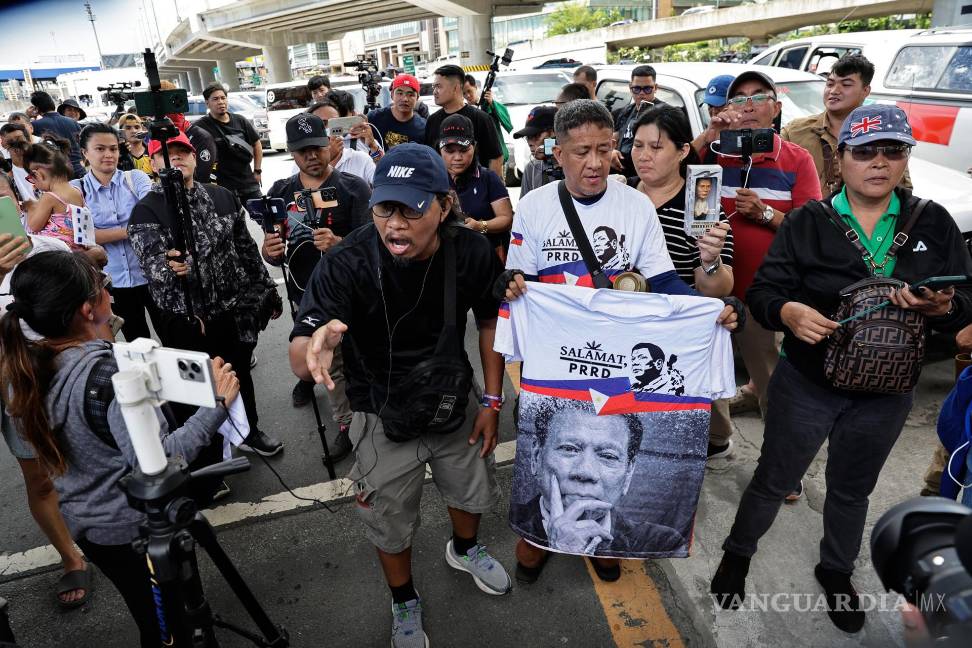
[835,281]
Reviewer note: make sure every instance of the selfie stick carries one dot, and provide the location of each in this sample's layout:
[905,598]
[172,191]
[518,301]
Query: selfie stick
[159,488]
[506,58]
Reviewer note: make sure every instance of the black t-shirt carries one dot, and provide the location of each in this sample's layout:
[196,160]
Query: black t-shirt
[352,195]
[624,120]
[487,139]
[345,286]
[206,153]
[394,132]
[233,165]
[478,189]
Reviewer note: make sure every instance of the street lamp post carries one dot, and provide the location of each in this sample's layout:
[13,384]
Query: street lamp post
[91,17]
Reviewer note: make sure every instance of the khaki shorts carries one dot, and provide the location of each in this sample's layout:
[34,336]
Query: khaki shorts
[388,477]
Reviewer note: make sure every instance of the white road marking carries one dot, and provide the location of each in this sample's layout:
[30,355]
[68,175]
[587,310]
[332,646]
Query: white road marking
[20,562]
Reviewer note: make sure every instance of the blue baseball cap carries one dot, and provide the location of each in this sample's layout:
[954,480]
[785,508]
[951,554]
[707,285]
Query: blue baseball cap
[717,91]
[873,123]
[410,174]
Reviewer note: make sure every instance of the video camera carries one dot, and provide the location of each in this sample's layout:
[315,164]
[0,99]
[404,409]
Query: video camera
[369,77]
[922,548]
[506,58]
[119,93]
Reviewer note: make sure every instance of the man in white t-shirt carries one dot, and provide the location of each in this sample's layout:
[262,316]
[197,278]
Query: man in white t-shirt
[543,249]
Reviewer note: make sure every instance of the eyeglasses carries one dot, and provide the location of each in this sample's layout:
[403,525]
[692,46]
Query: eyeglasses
[867,152]
[386,209]
[757,99]
[642,89]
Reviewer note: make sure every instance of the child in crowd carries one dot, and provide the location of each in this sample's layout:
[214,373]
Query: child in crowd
[50,171]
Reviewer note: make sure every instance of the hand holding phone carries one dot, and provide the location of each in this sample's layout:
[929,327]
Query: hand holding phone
[938,283]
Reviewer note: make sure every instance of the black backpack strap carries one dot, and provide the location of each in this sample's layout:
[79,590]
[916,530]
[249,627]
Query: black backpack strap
[580,238]
[98,394]
[449,338]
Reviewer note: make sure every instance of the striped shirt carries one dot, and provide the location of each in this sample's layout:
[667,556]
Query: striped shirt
[682,247]
[784,179]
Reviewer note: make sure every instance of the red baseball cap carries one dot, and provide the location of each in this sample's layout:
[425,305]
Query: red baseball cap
[407,80]
[155,145]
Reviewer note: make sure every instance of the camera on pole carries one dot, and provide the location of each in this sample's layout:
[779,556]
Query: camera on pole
[505,58]
[370,79]
[119,94]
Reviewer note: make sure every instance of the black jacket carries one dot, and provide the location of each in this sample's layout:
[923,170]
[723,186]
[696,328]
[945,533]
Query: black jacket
[811,261]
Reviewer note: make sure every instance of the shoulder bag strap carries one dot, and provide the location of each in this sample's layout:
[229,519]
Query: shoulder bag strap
[130,183]
[848,231]
[580,238]
[902,236]
[98,394]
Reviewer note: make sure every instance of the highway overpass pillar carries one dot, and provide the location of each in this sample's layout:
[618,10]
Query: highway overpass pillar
[227,74]
[278,63]
[195,82]
[206,75]
[183,80]
[946,13]
[475,37]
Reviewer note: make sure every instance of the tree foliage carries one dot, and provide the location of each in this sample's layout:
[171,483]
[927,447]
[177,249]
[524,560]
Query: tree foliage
[570,18]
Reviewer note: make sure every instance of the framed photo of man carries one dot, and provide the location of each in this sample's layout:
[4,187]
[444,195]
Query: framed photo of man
[703,183]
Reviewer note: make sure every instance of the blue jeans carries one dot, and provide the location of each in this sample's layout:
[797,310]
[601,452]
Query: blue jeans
[801,415]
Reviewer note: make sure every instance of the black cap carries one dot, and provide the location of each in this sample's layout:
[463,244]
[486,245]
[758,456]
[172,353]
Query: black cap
[305,130]
[540,119]
[71,103]
[456,129]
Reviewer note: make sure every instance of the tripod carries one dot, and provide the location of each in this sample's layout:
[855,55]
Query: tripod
[159,488]
[268,220]
[168,541]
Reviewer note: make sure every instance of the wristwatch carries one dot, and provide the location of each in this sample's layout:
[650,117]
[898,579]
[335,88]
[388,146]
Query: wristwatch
[483,228]
[768,215]
[257,171]
[711,270]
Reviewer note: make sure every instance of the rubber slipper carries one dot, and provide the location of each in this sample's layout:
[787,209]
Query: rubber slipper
[78,579]
[795,496]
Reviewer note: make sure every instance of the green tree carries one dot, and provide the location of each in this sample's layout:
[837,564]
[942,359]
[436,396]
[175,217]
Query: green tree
[570,18]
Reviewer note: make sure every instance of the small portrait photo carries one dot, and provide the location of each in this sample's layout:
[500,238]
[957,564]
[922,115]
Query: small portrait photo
[596,485]
[703,184]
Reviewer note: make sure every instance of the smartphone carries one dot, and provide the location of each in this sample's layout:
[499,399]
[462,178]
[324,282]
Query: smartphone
[548,146]
[183,376]
[938,283]
[10,222]
[341,126]
[736,142]
[325,198]
[267,211]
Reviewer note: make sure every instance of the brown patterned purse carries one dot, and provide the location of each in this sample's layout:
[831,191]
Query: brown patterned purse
[881,347]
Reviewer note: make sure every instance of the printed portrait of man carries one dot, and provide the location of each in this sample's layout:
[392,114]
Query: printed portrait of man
[583,465]
[703,187]
[609,249]
[651,372]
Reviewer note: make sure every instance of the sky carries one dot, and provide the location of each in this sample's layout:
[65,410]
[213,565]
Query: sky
[121,26]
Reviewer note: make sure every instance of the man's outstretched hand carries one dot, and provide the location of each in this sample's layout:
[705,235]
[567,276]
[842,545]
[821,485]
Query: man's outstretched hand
[320,351]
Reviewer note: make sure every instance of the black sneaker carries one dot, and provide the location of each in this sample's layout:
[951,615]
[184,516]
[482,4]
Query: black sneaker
[260,443]
[728,586]
[843,602]
[302,394]
[341,447]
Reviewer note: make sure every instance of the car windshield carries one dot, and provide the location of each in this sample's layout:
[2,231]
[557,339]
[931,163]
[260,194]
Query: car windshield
[528,88]
[799,98]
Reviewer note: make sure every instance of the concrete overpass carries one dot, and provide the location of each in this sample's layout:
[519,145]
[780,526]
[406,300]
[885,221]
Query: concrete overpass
[758,22]
[219,37]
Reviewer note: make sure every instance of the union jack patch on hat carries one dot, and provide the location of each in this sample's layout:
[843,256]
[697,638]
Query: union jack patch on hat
[876,122]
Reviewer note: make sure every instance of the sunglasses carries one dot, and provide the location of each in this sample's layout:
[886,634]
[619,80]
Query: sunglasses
[642,89]
[757,99]
[386,209]
[867,152]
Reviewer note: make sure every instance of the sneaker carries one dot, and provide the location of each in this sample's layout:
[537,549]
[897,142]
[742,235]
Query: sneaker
[843,602]
[260,443]
[744,401]
[487,572]
[222,491]
[341,447]
[253,361]
[407,629]
[795,496]
[302,394]
[728,586]
[719,451]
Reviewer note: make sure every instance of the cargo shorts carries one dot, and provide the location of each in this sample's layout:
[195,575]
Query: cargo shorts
[388,477]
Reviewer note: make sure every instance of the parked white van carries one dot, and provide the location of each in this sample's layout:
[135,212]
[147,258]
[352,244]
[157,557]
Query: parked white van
[928,73]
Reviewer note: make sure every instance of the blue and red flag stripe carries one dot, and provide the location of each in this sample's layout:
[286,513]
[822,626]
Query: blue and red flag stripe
[620,399]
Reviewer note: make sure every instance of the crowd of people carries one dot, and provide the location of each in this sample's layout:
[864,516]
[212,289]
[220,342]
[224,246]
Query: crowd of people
[393,233]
